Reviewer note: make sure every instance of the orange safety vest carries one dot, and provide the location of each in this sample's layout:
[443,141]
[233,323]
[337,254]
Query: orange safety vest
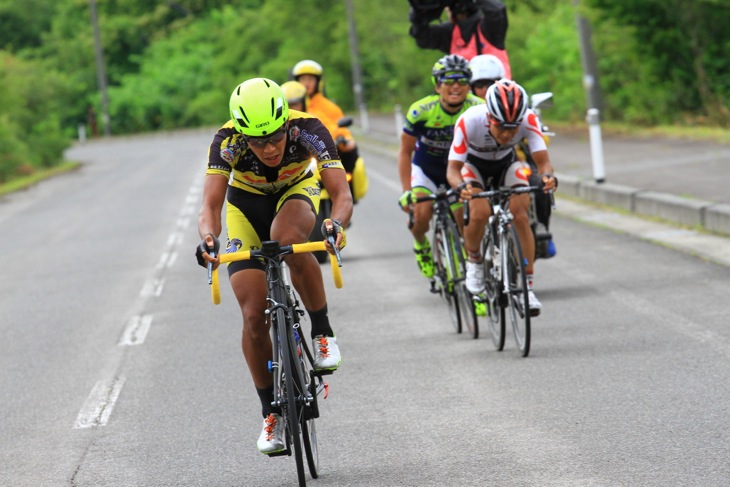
[328,113]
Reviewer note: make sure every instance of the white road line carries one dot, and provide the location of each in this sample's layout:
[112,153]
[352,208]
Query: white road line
[183,222]
[136,330]
[153,287]
[174,239]
[100,403]
[167,259]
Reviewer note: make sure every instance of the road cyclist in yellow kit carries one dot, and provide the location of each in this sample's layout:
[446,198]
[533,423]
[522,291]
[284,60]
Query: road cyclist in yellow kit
[258,168]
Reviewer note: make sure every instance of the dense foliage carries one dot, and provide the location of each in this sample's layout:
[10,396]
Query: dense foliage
[173,63]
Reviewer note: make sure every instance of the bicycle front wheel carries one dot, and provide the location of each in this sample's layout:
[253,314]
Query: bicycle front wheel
[443,258]
[458,262]
[291,411]
[308,412]
[291,378]
[518,309]
[493,291]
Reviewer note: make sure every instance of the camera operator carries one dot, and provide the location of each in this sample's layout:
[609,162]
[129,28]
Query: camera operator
[475,27]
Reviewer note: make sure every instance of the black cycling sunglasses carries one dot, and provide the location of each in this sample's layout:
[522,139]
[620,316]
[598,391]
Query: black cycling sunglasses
[260,142]
[451,81]
[483,83]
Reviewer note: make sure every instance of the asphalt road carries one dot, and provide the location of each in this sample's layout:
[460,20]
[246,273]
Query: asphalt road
[118,371]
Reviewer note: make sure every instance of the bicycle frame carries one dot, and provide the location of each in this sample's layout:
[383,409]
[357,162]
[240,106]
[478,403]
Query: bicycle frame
[449,257]
[511,297]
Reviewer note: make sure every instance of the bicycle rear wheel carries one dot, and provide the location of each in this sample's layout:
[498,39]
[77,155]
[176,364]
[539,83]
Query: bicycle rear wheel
[518,299]
[443,258]
[493,291]
[466,304]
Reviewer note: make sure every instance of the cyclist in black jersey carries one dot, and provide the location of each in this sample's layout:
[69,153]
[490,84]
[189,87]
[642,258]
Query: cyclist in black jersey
[258,166]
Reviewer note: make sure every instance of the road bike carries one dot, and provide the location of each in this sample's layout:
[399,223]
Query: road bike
[447,248]
[296,384]
[505,289]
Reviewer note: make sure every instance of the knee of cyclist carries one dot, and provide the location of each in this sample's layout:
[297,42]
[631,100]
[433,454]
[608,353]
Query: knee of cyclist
[254,324]
[521,217]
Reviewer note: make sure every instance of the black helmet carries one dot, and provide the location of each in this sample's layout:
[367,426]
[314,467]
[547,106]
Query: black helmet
[451,63]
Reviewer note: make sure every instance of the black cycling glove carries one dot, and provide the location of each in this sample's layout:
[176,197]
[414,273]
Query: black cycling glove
[336,228]
[203,248]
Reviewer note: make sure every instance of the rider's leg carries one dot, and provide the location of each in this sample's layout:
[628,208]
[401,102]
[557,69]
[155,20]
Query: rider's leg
[293,224]
[519,207]
[479,213]
[422,214]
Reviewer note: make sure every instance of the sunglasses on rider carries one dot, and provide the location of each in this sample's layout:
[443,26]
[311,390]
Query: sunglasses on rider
[450,81]
[260,142]
[483,83]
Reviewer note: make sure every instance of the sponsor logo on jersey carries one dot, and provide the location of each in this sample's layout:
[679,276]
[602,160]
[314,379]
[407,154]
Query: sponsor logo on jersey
[312,143]
[312,190]
[234,245]
[227,155]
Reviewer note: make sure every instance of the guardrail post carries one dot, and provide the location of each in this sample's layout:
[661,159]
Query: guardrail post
[82,132]
[399,120]
[599,170]
[364,119]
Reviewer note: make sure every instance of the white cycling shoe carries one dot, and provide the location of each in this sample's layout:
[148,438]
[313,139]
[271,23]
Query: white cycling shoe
[326,353]
[475,277]
[535,304]
[271,439]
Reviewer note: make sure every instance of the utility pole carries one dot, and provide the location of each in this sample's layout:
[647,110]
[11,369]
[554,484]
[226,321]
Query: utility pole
[100,73]
[588,61]
[357,87]
[593,94]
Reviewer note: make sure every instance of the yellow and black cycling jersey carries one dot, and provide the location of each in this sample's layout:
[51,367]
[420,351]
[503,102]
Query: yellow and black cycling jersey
[308,138]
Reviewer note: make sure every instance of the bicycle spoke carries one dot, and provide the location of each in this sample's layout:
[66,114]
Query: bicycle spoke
[493,292]
[518,301]
[458,270]
[444,273]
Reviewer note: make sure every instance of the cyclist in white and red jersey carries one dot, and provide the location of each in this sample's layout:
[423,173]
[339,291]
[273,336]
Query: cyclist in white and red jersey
[482,150]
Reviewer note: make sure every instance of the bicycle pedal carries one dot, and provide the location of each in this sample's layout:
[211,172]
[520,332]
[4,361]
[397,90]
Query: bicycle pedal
[320,373]
[281,453]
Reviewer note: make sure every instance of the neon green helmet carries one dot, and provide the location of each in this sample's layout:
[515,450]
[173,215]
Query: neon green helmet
[258,107]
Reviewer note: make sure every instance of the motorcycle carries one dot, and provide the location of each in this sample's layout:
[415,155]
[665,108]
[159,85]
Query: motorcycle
[541,204]
[356,178]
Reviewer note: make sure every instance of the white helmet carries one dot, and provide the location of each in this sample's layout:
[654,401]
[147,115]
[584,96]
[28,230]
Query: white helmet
[486,66]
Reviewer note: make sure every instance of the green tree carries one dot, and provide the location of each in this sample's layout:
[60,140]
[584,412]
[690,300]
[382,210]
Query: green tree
[685,43]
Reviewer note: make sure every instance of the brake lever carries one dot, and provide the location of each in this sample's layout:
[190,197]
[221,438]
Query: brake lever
[331,240]
[210,269]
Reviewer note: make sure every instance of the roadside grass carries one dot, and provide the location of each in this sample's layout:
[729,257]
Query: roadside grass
[24,182]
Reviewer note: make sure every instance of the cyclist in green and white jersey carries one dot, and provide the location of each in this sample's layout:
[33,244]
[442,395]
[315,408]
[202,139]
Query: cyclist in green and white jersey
[425,143]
